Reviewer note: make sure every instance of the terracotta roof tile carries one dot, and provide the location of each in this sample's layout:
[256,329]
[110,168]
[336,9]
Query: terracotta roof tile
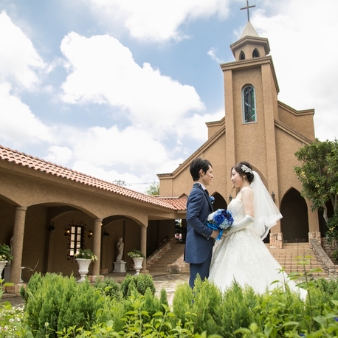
[180,203]
[34,163]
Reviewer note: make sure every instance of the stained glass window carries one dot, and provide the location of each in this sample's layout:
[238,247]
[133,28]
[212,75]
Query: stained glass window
[249,104]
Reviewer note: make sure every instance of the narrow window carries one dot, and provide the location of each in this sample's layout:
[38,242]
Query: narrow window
[242,55]
[249,104]
[75,239]
[255,53]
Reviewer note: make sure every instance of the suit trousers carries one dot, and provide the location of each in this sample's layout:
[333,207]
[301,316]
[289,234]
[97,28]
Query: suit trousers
[201,268]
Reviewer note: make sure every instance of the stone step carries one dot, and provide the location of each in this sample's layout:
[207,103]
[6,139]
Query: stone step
[286,258]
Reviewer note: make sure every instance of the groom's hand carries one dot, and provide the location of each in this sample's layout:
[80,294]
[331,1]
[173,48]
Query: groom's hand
[214,234]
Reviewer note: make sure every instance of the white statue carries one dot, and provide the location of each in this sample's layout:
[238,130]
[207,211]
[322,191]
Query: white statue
[120,247]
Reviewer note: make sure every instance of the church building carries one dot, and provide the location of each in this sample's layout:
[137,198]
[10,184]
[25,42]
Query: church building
[261,130]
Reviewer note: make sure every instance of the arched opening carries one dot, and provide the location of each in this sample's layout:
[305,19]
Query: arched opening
[255,53]
[220,202]
[295,224]
[114,228]
[7,216]
[69,230]
[242,55]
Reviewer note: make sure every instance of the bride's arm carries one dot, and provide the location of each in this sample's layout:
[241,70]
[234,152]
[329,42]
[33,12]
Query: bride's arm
[248,201]
[247,198]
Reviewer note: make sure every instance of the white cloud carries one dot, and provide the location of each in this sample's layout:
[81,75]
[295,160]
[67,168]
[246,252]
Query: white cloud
[196,125]
[132,148]
[17,123]
[102,70]
[20,65]
[212,53]
[302,39]
[131,155]
[19,61]
[59,155]
[135,182]
[157,20]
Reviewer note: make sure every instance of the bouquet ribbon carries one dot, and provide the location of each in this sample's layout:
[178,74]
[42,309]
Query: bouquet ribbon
[215,227]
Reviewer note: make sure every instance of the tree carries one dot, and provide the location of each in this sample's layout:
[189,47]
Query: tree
[154,189]
[319,176]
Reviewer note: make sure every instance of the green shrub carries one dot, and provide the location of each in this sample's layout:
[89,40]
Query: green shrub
[207,307]
[34,284]
[109,287]
[280,311]
[164,297]
[237,308]
[183,302]
[335,255]
[204,301]
[59,302]
[139,282]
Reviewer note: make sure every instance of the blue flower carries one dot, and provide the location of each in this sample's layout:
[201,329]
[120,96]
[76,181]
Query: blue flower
[220,220]
[212,199]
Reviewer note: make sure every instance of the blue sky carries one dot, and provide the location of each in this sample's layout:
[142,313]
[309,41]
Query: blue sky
[122,89]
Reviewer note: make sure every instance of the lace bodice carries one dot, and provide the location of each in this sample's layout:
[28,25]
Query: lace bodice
[236,207]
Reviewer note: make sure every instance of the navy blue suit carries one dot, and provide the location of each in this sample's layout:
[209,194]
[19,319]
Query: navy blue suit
[198,247]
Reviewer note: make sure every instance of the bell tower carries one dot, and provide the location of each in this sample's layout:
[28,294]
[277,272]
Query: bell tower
[251,106]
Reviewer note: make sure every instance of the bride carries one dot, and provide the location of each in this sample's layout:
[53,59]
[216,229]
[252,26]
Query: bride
[241,255]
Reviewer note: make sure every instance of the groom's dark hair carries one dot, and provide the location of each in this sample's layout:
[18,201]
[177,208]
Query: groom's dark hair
[196,165]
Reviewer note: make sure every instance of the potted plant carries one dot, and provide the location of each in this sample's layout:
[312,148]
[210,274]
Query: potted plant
[5,256]
[84,257]
[138,258]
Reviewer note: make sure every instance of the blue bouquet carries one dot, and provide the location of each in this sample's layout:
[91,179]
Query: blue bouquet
[220,220]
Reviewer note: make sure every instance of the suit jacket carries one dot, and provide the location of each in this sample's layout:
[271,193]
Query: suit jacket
[198,243]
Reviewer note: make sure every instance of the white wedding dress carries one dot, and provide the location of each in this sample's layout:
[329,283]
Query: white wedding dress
[242,256]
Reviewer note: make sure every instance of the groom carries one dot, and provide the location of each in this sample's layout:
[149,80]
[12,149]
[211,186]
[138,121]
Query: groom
[200,238]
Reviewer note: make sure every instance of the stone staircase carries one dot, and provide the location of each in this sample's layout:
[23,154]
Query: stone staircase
[165,258]
[286,258]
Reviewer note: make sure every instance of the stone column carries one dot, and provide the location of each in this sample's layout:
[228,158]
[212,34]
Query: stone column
[97,246]
[18,235]
[144,247]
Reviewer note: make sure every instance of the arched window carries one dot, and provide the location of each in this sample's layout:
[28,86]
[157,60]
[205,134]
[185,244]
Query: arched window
[249,104]
[242,55]
[255,53]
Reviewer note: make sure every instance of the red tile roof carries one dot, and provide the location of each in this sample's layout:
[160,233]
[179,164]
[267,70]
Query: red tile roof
[180,203]
[31,162]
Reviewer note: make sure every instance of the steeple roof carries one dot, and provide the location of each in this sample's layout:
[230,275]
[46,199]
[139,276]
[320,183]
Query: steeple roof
[249,31]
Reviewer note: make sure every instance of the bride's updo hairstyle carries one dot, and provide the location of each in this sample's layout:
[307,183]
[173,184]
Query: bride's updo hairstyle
[244,169]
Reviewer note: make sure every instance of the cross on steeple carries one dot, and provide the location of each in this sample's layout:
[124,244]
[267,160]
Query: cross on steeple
[247,8]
